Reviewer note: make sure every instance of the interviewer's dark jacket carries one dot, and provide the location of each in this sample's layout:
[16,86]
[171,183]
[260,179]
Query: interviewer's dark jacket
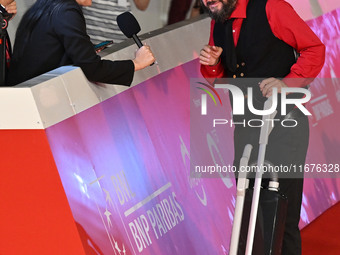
[60,39]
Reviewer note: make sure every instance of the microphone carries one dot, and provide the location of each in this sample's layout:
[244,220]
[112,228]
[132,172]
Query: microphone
[130,27]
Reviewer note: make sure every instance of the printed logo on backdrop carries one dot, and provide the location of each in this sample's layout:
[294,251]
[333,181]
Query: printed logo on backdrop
[204,138]
[144,220]
[194,183]
[239,102]
[212,121]
[204,97]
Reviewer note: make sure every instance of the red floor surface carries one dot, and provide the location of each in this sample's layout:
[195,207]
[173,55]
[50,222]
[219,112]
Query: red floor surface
[322,236]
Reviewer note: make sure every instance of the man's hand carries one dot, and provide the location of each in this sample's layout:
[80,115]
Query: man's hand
[210,55]
[11,8]
[144,57]
[267,85]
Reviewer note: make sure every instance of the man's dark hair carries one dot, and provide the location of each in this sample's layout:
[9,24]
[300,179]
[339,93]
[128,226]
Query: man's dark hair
[39,9]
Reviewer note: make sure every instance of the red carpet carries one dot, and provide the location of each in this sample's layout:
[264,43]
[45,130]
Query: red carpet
[322,236]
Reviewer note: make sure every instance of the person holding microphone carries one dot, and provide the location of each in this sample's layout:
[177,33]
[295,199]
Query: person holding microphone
[52,33]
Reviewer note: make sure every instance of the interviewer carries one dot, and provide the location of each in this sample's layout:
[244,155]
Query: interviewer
[52,33]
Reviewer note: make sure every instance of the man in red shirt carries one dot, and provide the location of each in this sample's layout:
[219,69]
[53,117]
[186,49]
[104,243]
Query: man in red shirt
[267,40]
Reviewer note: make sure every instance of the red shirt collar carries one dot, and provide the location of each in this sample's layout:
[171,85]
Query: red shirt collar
[240,10]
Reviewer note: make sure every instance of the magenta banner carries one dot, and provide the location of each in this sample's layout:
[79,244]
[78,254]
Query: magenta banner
[125,163]
[324,144]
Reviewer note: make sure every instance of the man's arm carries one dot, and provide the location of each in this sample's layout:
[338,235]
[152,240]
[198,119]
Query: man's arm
[290,28]
[70,28]
[211,66]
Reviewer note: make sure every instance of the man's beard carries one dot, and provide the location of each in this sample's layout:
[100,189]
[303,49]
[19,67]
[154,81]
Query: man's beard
[225,12]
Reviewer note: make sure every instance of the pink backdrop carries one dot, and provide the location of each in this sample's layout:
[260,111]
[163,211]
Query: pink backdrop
[124,163]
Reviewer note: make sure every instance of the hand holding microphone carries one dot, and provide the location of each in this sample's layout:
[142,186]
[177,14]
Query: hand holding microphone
[130,28]
[144,57]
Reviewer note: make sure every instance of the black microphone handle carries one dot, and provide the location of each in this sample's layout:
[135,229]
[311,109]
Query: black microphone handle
[137,41]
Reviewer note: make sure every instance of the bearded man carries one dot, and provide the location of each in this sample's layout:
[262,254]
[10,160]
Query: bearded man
[267,40]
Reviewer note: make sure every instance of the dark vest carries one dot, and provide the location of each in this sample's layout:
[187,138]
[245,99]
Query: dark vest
[258,54]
